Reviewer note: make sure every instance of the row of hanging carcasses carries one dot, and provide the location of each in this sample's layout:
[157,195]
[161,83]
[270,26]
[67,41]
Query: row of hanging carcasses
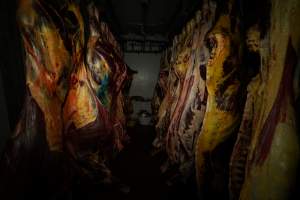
[199,102]
[74,102]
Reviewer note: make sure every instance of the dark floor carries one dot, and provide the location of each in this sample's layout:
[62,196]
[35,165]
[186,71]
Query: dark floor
[139,174]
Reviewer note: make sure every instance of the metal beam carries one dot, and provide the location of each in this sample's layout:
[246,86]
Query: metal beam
[143,46]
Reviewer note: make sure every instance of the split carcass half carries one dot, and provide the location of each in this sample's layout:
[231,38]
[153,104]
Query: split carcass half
[265,166]
[190,108]
[221,116]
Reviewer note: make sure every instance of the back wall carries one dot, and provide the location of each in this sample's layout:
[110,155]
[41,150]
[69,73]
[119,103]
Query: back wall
[143,84]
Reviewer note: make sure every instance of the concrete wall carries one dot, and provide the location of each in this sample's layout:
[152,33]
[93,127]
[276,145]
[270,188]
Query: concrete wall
[145,80]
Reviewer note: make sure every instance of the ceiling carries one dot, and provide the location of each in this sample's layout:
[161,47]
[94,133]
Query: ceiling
[147,19]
